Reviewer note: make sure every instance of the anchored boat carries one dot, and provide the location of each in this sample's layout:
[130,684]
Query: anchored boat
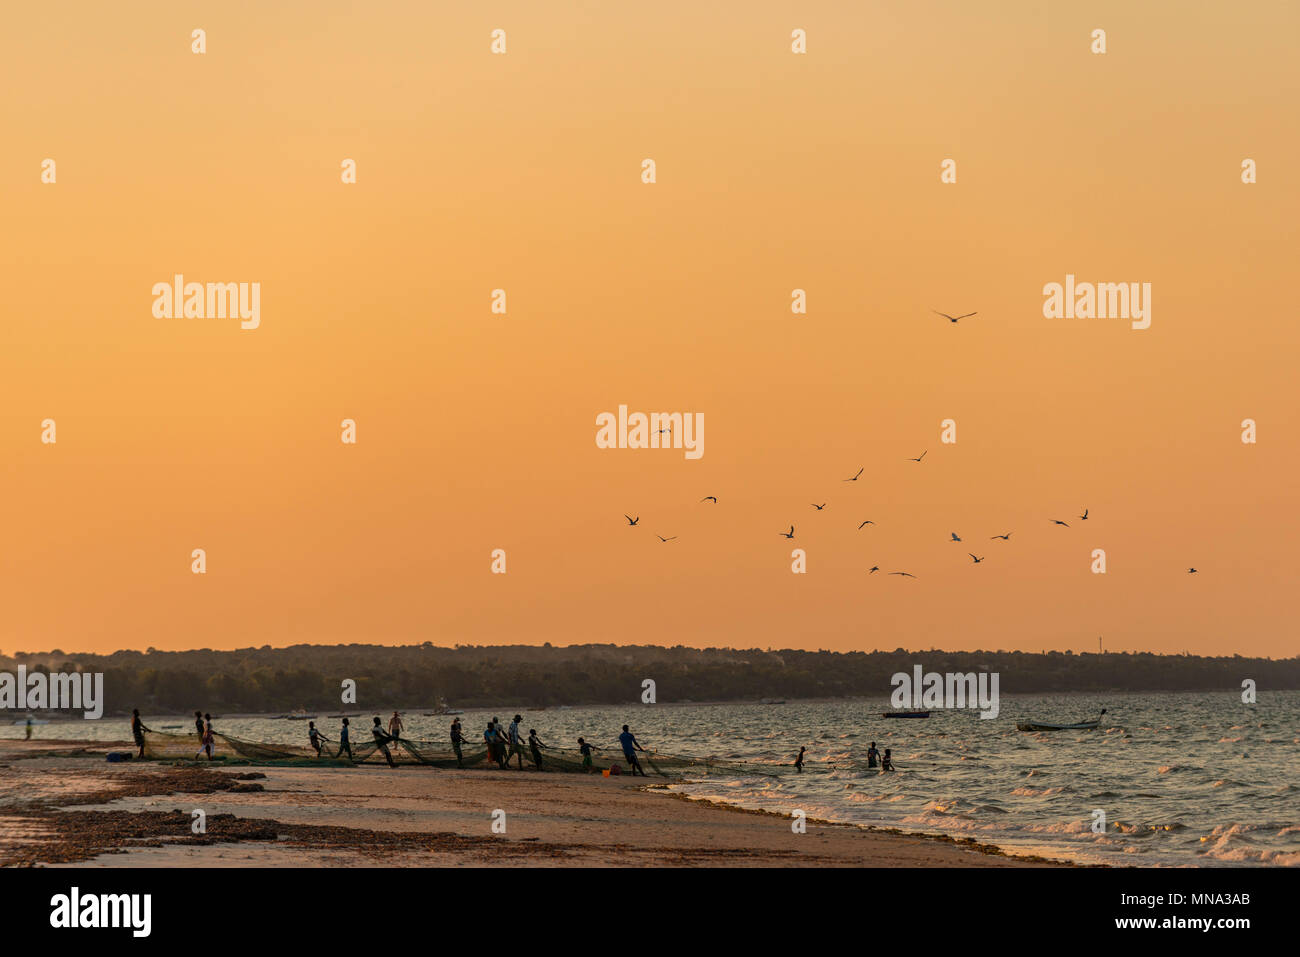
[905,714]
[1049,726]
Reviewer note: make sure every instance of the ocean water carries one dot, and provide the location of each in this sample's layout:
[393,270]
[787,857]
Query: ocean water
[1184,779]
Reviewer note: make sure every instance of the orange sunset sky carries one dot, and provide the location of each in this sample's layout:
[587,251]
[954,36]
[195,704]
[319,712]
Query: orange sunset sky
[775,171]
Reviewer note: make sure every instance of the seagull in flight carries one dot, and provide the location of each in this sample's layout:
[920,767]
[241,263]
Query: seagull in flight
[921,456]
[710,498]
[873,569]
[1057,521]
[1191,571]
[957,538]
[1084,516]
[864,524]
[952,318]
[904,574]
[630,519]
[816,506]
[789,534]
[855,478]
[662,539]
[973,558]
[1005,538]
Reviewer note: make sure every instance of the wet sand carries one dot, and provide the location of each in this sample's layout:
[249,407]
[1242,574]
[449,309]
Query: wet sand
[62,803]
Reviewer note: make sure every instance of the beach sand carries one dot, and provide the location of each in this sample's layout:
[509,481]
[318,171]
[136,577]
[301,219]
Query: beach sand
[62,803]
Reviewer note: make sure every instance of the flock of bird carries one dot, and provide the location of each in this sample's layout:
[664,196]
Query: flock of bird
[954,537]
[975,559]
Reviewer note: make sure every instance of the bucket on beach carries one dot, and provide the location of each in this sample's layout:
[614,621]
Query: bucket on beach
[605,773]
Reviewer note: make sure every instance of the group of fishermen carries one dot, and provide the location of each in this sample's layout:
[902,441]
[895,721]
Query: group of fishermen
[502,743]
[202,727]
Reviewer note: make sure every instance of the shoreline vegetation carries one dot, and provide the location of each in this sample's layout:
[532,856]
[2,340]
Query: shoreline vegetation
[270,680]
[61,804]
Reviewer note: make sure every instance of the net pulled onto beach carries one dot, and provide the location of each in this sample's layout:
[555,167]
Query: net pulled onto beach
[165,746]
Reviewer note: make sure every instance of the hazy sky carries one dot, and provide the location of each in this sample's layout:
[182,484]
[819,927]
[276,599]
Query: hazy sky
[775,172]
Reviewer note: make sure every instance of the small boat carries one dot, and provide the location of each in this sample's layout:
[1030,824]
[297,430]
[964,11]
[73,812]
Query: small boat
[1049,726]
[441,708]
[905,714]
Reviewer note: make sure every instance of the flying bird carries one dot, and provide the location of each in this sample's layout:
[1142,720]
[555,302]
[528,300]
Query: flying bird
[789,534]
[1059,522]
[918,458]
[710,498]
[816,506]
[864,524]
[952,318]
[904,574]
[974,559]
[662,539]
[873,569]
[1191,571]
[1005,538]
[1084,516]
[855,478]
[956,537]
[630,519]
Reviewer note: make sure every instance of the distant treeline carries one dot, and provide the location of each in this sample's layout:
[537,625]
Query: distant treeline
[416,676]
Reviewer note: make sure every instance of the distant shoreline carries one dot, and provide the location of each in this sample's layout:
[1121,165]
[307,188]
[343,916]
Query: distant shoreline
[315,677]
[877,702]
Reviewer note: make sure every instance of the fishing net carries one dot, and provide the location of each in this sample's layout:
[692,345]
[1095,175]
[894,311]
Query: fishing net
[160,745]
[164,746]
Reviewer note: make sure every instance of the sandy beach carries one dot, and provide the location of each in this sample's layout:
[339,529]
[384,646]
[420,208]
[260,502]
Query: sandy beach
[62,803]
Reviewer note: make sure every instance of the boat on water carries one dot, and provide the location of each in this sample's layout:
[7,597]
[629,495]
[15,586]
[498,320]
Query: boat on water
[300,715]
[905,714]
[1050,726]
[442,709]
